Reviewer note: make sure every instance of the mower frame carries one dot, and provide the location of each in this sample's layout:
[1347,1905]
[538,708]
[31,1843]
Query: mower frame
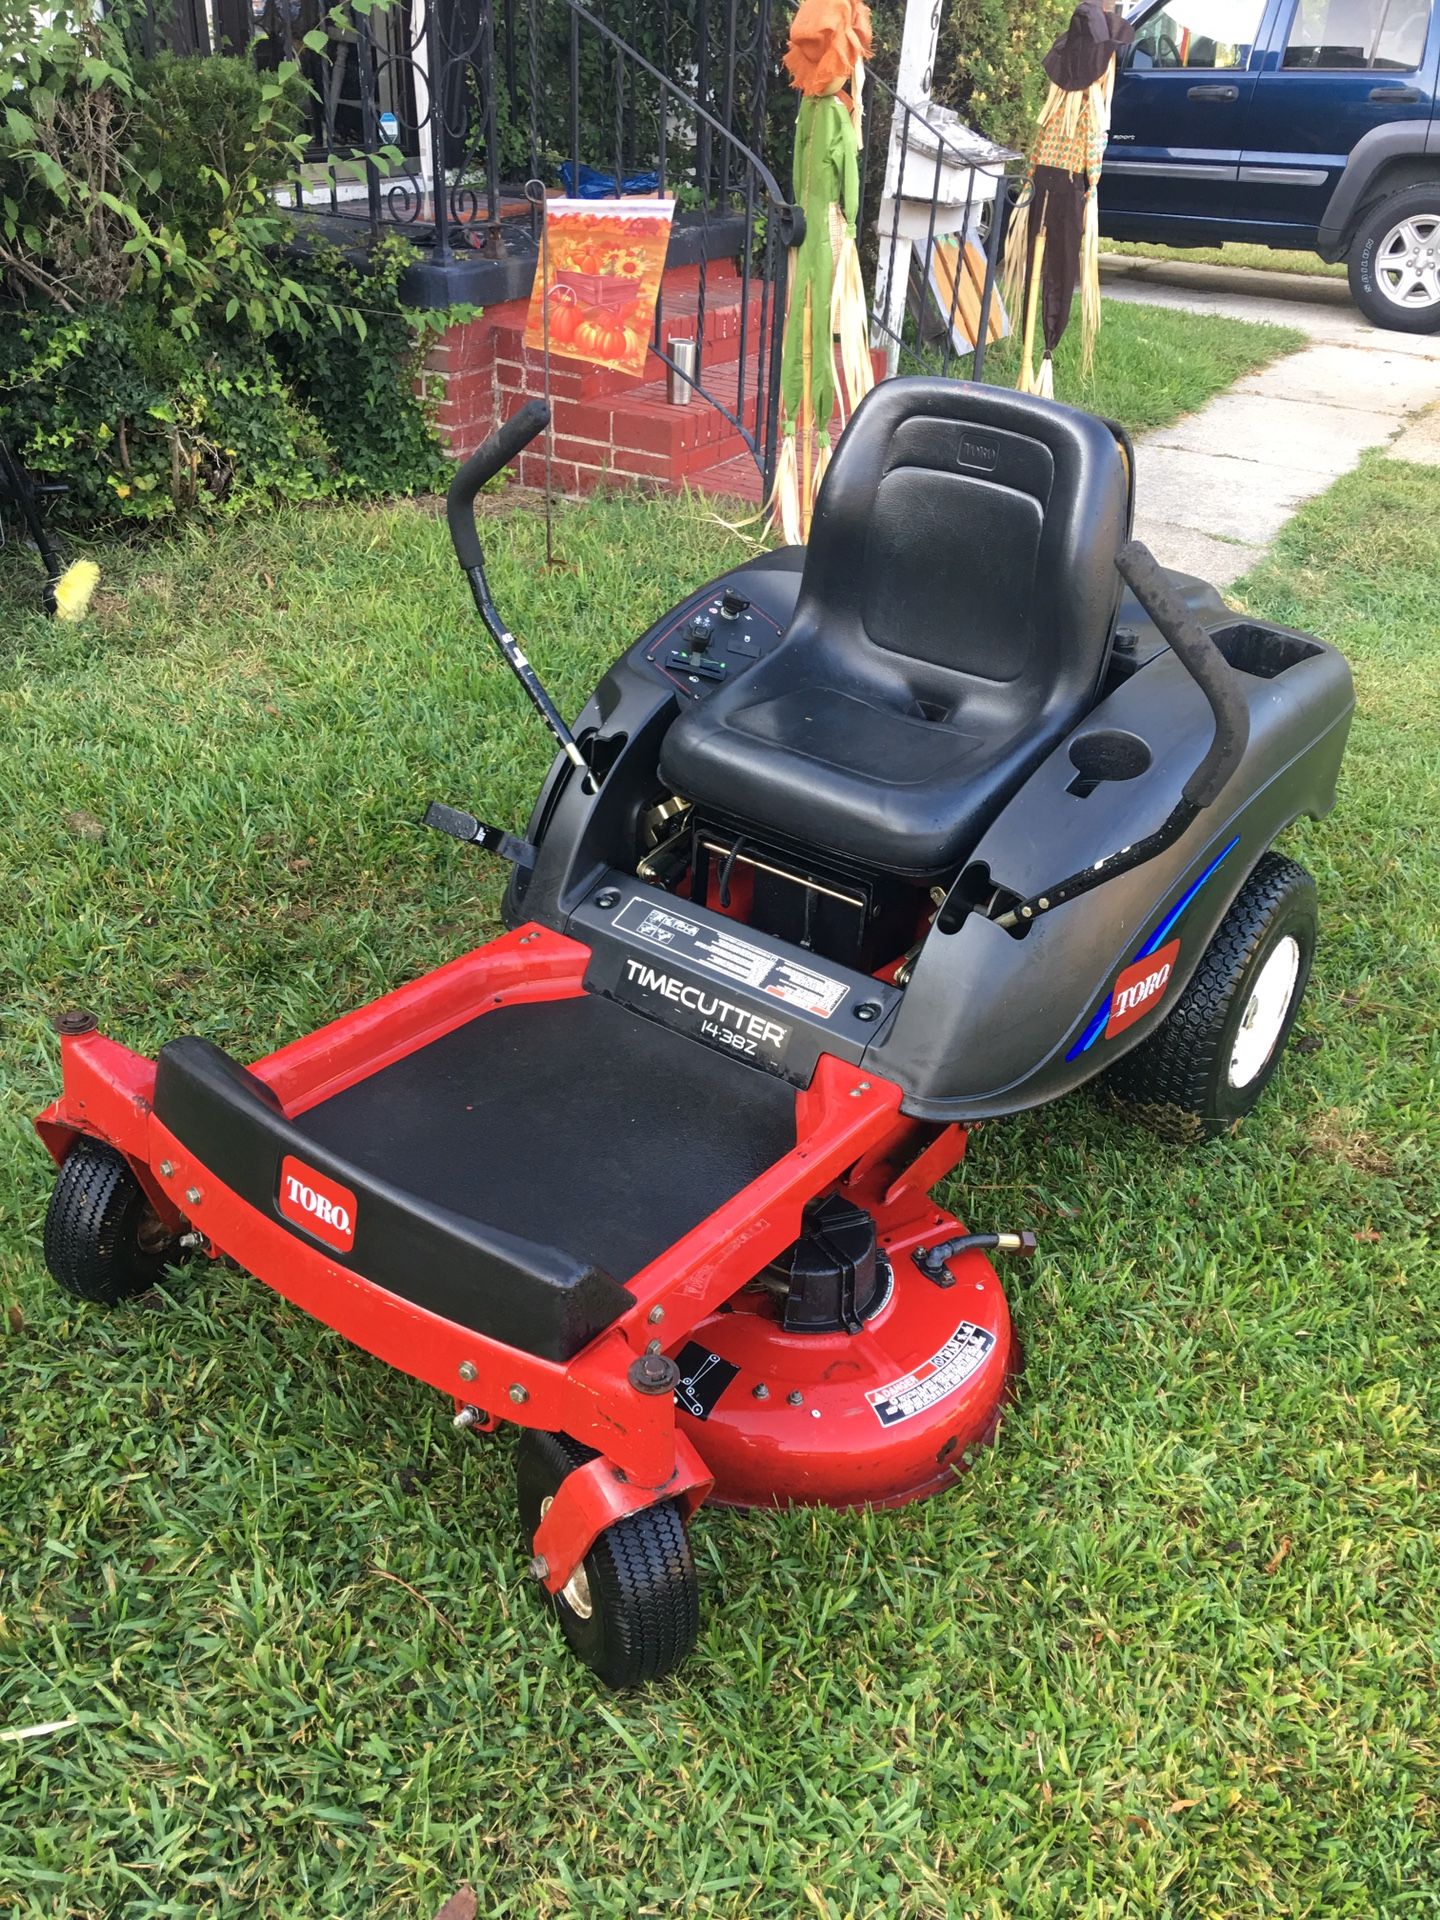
[849,1130]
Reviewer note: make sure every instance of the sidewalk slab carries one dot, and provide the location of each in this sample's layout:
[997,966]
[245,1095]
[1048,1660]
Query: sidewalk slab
[1420,442]
[1247,500]
[1306,435]
[1218,561]
[1214,489]
[1370,380]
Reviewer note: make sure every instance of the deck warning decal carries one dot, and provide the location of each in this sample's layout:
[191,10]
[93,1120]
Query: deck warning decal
[964,1353]
[704,1376]
[733,958]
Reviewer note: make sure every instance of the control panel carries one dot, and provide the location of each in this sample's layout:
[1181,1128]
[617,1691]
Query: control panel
[711,642]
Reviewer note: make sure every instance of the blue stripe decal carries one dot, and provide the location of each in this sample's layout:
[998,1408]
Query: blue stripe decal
[1158,937]
[1097,1025]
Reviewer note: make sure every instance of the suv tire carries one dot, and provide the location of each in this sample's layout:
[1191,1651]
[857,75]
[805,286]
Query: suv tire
[1394,261]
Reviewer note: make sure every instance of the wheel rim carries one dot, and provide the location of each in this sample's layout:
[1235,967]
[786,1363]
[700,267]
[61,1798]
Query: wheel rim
[576,1590]
[1407,263]
[1265,1011]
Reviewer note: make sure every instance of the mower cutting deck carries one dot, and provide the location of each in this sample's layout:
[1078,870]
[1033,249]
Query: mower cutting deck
[922,825]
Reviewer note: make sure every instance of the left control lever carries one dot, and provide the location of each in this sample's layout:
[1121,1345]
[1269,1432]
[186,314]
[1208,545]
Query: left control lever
[476,833]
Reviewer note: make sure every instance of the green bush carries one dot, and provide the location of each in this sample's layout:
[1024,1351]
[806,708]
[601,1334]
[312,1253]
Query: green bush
[987,64]
[146,425]
[360,388]
[195,125]
[987,60]
[167,350]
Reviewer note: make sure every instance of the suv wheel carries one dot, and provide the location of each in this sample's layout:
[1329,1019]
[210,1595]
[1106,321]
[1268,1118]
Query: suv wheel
[1395,262]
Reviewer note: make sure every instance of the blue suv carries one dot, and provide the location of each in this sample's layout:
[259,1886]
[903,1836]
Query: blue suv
[1296,123]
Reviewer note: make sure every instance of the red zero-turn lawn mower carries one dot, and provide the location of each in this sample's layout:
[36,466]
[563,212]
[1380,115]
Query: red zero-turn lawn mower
[926,823]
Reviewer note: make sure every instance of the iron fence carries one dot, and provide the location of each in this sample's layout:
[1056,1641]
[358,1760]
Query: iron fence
[934,204]
[428,117]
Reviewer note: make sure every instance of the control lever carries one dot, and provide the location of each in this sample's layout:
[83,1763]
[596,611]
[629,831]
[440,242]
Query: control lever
[1202,659]
[507,441]
[476,833]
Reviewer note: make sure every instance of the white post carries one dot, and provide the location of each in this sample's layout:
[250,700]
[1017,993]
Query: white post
[918,38]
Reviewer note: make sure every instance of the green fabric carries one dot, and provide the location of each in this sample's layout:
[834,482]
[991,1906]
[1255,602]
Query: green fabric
[827,173]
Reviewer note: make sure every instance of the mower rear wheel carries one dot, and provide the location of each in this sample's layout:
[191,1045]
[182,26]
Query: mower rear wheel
[1211,1057]
[103,1241]
[631,1610]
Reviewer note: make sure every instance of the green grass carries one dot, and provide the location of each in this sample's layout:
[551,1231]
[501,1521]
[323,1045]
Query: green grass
[1234,253]
[1169,1650]
[1152,364]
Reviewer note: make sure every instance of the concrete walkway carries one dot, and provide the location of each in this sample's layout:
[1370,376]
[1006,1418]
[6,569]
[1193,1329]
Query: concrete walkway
[1215,488]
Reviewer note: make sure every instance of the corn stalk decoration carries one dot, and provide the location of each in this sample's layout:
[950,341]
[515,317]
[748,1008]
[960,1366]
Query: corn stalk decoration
[1053,242]
[826,355]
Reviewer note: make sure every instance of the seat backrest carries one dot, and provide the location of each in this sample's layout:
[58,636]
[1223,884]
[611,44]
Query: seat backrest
[965,536]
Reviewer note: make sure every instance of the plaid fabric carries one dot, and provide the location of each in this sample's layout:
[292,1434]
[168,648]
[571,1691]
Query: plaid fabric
[1080,151]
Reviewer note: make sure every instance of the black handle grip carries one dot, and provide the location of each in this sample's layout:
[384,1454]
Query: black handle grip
[1213,93]
[1205,664]
[1395,96]
[498,451]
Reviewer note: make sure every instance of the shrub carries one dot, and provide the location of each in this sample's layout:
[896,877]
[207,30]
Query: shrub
[987,64]
[195,124]
[169,352]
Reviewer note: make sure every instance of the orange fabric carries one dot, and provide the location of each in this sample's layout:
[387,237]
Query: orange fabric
[827,39]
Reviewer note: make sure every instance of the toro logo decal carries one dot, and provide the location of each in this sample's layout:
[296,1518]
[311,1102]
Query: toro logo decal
[321,1206]
[1140,987]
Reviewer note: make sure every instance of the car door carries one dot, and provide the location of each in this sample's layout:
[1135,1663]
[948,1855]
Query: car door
[1335,70]
[1180,98]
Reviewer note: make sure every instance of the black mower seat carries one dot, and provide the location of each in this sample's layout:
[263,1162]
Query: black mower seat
[954,621]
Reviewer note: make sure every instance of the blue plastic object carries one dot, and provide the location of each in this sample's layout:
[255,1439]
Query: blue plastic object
[596,184]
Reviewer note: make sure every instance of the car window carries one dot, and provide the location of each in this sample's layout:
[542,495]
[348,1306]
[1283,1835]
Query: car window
[1197,33]
[1358,34]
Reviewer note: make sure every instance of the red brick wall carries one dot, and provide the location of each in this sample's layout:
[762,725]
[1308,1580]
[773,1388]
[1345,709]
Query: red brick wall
[606,425]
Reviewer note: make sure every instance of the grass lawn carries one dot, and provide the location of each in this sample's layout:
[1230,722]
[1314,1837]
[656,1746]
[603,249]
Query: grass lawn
[1234,253]
[1152,364]
[1168,1650]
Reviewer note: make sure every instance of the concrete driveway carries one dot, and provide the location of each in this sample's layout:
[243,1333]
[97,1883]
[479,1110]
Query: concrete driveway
[1215,488]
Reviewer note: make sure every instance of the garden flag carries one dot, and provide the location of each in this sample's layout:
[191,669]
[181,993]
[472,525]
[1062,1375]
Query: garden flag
[605,262]
[1054,237]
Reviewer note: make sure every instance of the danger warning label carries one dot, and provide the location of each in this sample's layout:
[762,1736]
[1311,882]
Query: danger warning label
[934,1379]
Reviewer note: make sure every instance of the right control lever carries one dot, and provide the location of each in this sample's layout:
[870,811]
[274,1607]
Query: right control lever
[1222,688]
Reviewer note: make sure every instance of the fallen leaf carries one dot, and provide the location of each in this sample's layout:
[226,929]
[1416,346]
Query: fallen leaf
[462,1905]
[1183,1806]
[1272,1565]
[1369,1235]
[14,1319]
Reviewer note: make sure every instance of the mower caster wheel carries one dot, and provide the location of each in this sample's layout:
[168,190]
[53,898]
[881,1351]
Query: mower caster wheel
[631,1609]
[103,1241]
[1209,1060]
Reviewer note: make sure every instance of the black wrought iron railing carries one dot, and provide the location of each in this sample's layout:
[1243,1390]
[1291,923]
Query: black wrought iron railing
[429,116]
[738,228]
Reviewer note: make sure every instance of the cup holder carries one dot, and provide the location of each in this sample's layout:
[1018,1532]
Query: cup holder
[1109,755]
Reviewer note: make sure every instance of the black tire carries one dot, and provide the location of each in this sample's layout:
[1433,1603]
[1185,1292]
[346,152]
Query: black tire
[638,1577]
[1369,255]
[1179,1079]
[103,1241]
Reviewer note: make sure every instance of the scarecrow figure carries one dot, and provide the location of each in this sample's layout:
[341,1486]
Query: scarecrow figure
[1054,238]
[829,42]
